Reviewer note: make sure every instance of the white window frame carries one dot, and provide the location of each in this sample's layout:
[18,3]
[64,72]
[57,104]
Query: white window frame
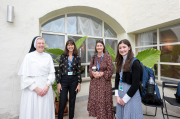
[86,78]
[158,76]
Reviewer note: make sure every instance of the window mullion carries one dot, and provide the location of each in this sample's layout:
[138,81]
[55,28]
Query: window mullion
[104,41]
[146,46]
[86,49]
[165,44]
[52,33]
[159,66]
[102,28]
[65,23]
[86,71]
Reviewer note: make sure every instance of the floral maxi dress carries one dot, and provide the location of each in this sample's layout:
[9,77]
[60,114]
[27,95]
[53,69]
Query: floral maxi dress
[100,103]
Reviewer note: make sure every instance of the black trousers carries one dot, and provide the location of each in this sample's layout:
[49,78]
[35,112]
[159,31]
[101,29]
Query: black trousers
[68,83]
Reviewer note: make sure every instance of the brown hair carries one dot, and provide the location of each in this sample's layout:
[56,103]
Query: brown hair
[66,51]
[119,58]
[100,41]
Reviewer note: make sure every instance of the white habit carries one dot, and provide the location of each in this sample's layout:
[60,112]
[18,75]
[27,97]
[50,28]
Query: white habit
[36,70]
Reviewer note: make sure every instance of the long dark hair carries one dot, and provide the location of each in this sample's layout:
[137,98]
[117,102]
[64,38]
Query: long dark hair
[100,41]
[66,51]
[119,58]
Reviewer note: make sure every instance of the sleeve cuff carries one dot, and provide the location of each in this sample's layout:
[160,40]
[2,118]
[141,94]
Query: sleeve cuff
[51,78]
[49,82]
[79,81]
[116,92]
[126,98]
[32,86]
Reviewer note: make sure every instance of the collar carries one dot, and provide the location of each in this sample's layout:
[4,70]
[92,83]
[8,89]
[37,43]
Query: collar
[38,52]
[124,58]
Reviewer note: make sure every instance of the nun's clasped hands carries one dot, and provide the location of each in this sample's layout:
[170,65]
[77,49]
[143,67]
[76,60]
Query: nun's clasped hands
[41,92]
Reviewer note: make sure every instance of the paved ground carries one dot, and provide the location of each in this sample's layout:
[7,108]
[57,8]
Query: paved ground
[81,108]
[82,113]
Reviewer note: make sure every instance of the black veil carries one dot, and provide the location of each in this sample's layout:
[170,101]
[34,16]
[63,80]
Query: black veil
[32,45]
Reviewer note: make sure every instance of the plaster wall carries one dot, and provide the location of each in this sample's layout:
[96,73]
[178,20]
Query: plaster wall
[16,39]
[145,15]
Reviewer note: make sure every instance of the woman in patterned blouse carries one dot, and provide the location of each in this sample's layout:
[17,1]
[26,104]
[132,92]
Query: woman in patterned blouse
[100,103]
[69,78]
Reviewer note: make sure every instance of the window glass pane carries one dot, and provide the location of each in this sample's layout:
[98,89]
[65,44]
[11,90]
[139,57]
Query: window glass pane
[83,71]
[146,38]
[81,50]
[54,41]
[90,54]
[92,43]
[112,44]
[84,24]
[109,32]
[114,70]
[170,34]
[156,69]
[88,71]
[141,49]
[171,71]
[170,53]
[72,24]
[55,25]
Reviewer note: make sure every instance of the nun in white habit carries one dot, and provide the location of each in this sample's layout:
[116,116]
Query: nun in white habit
[37,76]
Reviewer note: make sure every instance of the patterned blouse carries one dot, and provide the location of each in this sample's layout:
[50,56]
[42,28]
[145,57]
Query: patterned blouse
[64,67]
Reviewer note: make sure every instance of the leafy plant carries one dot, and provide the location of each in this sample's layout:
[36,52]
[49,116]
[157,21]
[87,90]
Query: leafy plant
[54,87]
[148,57]
[112,53]
[79,42]
[57,52]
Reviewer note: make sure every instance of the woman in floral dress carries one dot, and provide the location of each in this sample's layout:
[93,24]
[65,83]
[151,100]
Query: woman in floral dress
[100,103]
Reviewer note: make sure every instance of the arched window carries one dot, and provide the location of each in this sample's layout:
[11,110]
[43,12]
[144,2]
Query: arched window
[74,26]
